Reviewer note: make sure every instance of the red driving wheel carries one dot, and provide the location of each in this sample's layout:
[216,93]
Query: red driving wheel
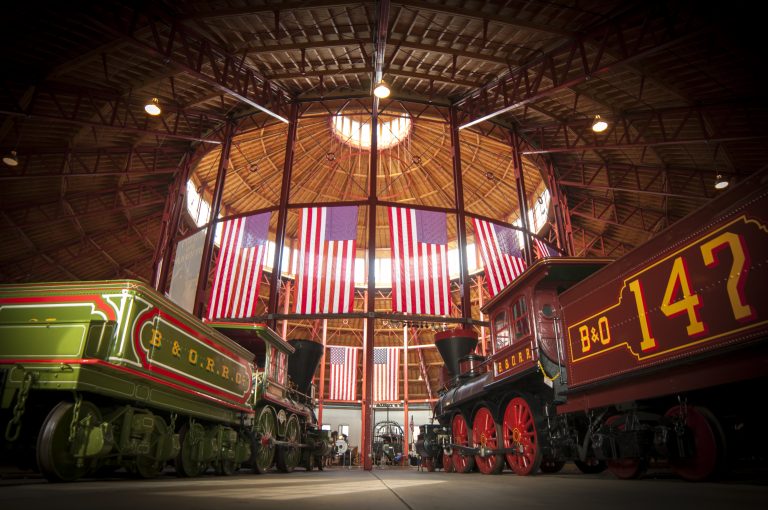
[485,434]
[447,463]
[705,430]
[629,468]
[461,463]
[519,432]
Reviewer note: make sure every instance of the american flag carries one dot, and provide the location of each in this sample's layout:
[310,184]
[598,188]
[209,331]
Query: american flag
[343,380]
[420,282]
[543,250]
[235,290]
[325,278]
[386,362]
[501,254]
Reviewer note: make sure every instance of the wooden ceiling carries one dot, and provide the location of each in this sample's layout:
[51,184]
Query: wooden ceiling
[680,83]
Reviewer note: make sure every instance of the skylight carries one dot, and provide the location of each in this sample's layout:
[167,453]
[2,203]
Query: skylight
[355,130]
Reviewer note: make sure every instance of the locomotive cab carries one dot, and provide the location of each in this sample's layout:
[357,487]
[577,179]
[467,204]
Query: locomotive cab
[526,331]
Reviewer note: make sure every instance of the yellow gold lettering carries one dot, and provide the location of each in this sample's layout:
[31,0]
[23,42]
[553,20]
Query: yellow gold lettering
[738,274]
[209,364]
[527,353]
[157,338]
[520,357]
[689,303]
[176,349]
[584,332]
[648,342]
[605,332]
[225,372]
[506,364]
[192,356]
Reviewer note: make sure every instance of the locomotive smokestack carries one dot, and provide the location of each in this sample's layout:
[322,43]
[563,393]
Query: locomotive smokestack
[453,345]
[303,363]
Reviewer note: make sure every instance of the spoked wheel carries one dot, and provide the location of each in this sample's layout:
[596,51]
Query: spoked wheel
[591,465]
[485,434]
[629,468]
[551,465]
[188,462]
[447,463]
[288,457]
[263,449]
[707,442]
[519,432]
[461,463]
[55,458]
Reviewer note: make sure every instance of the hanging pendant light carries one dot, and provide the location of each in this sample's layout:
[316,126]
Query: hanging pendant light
[11,159]
[721,182]
[153,107]
[599,125]
[382,90]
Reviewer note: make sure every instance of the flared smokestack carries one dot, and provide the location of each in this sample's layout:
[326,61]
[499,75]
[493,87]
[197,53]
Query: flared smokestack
[453,345]
[303,363]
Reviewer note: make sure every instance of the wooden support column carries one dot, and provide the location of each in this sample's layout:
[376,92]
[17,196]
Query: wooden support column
[461,224]
[483,339]
[321,391]
[176,204]
[521,200]
[285,191]
[287,296]
[370,306]
[407,436]
[210,235]
[556,196]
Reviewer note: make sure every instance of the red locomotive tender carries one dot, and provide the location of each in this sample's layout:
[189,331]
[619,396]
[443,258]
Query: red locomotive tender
[655,357]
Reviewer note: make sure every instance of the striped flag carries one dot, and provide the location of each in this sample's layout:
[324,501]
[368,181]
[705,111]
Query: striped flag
[235,290]
[343,380]
[501,254]
[543,250]
[325,278]
[386,361]
[418,242]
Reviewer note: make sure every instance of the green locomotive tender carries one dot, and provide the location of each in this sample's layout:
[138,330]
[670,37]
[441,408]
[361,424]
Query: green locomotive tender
[95,376]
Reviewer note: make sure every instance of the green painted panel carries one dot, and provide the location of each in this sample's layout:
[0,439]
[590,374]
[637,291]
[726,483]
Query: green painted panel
[42,341]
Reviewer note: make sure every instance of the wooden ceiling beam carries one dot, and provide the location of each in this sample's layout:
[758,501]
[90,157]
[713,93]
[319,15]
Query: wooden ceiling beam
[615,43]
[175,43]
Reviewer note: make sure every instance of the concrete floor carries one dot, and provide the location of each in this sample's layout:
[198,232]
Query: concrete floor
[383,489]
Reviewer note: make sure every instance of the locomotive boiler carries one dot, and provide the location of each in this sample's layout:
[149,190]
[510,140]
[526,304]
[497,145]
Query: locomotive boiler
[654,357]
[97,376]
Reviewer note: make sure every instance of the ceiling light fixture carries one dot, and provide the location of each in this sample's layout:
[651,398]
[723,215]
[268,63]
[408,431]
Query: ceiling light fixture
[599,125]
[153,107]
[721,182]
[382,90]
[11,159]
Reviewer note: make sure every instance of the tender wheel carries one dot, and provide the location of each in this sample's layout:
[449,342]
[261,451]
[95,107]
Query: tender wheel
[447,463]
[147,465]
[707,442]
[288,457]
[625,469]
[461,463]
[55,458]
[519,432]
[485,434]
[591,465]
[551,465]
[188,461]
[263,449]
